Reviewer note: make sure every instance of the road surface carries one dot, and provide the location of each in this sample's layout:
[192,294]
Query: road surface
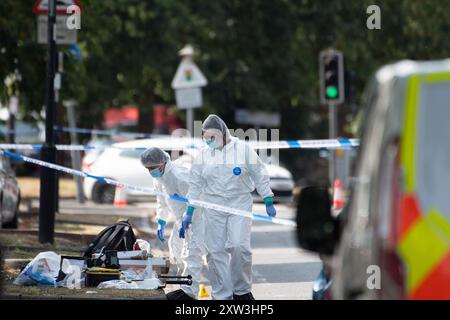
[280,269]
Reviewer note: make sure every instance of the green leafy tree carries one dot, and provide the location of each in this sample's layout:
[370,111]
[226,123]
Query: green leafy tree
[256,54]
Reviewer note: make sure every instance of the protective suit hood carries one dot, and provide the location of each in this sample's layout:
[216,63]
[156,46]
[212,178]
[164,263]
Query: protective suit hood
[215,122]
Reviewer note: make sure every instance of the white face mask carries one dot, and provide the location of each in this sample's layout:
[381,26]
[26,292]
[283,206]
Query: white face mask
[213,138]
[156,173]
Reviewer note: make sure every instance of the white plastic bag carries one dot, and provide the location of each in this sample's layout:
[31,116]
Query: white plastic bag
[117,284]
[131,274]
[138,273]
[150,284]
[42,270]
[142,245]
[74,277]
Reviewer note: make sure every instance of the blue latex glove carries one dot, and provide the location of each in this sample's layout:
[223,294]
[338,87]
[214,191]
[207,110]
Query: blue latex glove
[270,209]
[161,228]
[187,220]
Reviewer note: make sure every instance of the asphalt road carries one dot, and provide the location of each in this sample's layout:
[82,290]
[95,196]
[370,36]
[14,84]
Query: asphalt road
[280,269]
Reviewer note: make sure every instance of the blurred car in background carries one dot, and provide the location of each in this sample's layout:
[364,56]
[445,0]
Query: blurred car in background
[281,183]
[391,241]
[91,155]
[124,165]
[9,194]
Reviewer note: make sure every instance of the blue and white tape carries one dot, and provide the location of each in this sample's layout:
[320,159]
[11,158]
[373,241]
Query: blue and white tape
[258,145]
[19,131]
[110,132]
[61,147]
[284,144]
[72,147]
[86,131]
[174,197]
[306,144]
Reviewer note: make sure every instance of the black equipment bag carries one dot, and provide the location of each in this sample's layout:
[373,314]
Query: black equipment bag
[117,237]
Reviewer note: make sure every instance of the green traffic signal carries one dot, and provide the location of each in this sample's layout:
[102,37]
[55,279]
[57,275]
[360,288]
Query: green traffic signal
[331,92]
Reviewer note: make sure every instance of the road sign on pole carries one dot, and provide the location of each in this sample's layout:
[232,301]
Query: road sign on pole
[189,98]
[188,75]
[187,83]
[41,6]
[63,34]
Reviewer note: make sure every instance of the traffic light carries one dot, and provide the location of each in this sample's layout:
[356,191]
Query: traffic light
[331,65]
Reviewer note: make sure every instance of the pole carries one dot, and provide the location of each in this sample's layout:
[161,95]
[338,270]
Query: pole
[190,120]
[57,119]
[332,128]
[75,155]
[11,128]
[13,103]
[48,177]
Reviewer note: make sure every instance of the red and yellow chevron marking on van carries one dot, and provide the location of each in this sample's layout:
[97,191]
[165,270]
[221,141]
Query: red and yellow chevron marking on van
[424,237]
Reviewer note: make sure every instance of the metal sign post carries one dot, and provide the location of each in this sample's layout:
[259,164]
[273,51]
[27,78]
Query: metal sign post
[13,109]
[48,177]
[58,116]
[190,119]
[12,88]
[332,132]
[52,29]
[64,33]
[75,155]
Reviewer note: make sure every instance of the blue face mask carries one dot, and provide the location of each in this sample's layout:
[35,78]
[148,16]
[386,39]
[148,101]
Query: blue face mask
[156,173]
[213,144]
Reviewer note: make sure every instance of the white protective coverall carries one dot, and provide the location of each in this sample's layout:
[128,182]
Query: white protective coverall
[188,252]
[227,177]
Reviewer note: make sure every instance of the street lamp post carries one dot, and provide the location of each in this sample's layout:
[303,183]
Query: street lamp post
[47,202]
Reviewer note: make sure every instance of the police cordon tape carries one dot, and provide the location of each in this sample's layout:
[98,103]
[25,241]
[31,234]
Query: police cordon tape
[306,144]
[287,144]
[173,197]
[282,144]
[86,131]
[109,132]
[70,147]
[18,131]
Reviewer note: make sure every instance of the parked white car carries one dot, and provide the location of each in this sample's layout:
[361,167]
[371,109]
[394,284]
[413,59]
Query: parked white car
[124,165]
